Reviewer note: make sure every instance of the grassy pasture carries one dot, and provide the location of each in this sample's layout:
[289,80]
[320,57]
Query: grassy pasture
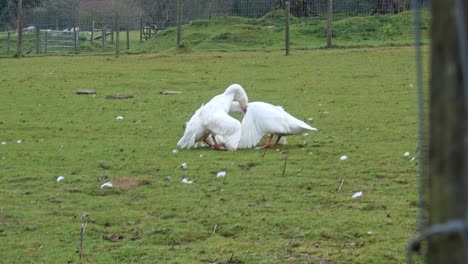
[361,100]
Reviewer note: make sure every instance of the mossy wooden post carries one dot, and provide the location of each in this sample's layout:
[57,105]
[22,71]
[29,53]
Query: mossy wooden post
[179,21]
[103,39]
[288,13]
[19,48]
[38,37]
[8,42]
[329,24]
[448,147]
[117,35]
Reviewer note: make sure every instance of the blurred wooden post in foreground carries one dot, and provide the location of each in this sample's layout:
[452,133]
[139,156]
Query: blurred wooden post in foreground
[288,15]
[448,147]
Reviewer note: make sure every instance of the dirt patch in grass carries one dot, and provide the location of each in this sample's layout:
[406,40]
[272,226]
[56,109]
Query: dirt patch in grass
[125,182]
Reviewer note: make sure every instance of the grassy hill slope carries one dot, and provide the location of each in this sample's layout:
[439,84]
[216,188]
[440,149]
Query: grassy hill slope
[236,33]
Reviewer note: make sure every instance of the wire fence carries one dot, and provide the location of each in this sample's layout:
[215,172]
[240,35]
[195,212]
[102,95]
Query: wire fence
[148,25]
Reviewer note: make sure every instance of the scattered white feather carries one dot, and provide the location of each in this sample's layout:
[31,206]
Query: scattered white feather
[357,195]
[183,166]
[119,117]
[107,184]
[201,155]
[413,158]
[310,118]
[19,141]
[305,134]
[4,143]
[60,178]
[406,154]
[410,85]
[186,181]
[174,151]
[221,174]
[344,157]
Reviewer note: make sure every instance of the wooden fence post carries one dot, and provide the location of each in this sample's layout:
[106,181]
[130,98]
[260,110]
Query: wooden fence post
[45,41]
[8,42]
[92,32]
[329,24]
[103,39]
[128,38]
[179,21]
[117,36]
[38,43]
[112,34]
[19,49]
[448,148]
[141,30]
[288,12]
[75,40]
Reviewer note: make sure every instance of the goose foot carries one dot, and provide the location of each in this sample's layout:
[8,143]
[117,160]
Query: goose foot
[208,142]
[277,141]
[216,145]
[268,144]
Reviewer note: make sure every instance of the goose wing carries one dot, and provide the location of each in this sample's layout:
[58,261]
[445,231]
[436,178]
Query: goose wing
[220,123]
[194,131]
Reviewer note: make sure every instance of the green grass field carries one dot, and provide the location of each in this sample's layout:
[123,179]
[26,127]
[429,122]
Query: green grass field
[276,206]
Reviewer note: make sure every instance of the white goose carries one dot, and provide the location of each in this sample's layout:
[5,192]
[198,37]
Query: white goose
[265,118]
[212,118]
